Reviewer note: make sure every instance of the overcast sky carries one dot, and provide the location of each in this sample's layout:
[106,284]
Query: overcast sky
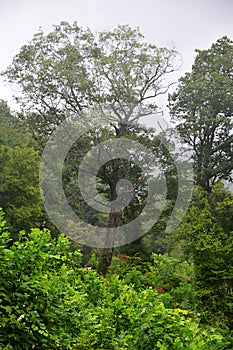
[188,24]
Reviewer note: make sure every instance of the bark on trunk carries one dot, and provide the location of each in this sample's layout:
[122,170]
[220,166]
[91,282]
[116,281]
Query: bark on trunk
[113,220]
[107,252]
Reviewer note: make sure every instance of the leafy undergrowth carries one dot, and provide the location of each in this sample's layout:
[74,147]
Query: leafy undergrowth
[48,301]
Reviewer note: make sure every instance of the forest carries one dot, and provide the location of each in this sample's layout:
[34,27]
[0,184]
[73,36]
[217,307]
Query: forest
[149,265]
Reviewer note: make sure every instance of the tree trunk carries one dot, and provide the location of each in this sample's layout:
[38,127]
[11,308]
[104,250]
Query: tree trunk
[113,220]
[107,252]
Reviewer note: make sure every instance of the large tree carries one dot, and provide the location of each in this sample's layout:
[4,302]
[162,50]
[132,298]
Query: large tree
[202,106]
[19,170]
[71,72]
[206,236]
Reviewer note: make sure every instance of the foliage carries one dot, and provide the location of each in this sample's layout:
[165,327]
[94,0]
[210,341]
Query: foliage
[113,76]
[208,239]
[202,106]
[19,189]
[183,301]
[13,131]
[172,277]
[72,70]
[19,167]
[49,302]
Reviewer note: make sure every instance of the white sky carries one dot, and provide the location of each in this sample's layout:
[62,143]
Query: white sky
[188,24]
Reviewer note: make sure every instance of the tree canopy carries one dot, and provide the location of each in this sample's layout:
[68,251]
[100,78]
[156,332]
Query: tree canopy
[64,73]
[203,108]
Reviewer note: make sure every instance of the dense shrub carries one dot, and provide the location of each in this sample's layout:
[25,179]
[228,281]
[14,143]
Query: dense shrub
[48,301]
[172,277]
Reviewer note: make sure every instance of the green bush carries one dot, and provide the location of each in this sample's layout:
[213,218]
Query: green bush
[48,301]
[172,276]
